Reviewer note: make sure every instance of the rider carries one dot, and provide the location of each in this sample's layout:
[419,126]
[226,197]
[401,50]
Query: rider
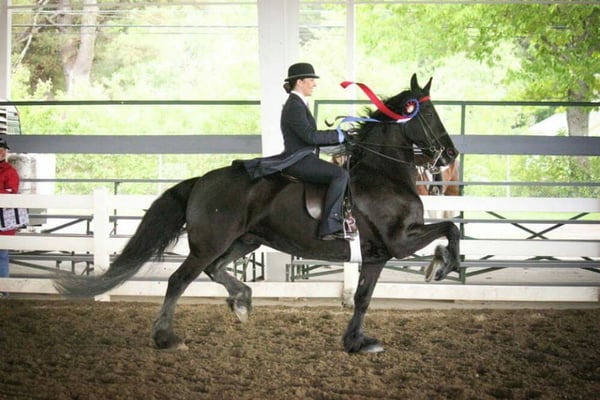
[300,157]
[300,133]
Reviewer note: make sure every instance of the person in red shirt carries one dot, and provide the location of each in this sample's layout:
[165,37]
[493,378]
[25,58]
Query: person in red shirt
[9,184]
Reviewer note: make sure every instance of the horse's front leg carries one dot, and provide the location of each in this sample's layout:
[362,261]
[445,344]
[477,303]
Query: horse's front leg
[354,339]
[446,258]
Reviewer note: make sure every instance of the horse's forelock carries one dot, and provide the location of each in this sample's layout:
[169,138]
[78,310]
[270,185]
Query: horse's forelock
[395,103]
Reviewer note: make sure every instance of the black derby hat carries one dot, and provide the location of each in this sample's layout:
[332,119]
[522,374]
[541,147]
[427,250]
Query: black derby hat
[300,71]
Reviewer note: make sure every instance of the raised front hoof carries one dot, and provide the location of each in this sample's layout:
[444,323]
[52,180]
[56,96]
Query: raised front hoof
[441,265]
[165,340]
[364,345]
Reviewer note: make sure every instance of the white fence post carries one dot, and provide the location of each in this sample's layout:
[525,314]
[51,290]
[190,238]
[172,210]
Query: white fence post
[101,234]
[102,245]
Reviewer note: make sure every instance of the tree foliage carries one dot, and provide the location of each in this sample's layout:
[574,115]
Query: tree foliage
[551,50]
[202,51]
[558,45]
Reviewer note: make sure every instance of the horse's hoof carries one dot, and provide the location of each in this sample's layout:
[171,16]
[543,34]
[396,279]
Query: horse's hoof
[165,340]
[180,346]
[372,348]
[432,270]
[241,312]
[440,274]
[371,345]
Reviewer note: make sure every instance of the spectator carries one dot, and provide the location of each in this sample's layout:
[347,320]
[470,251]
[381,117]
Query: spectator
[9,184]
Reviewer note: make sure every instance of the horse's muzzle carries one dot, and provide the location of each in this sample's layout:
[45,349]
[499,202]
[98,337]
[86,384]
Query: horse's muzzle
[447,157]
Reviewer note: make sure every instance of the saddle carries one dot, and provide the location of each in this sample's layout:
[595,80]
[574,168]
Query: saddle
[314,198]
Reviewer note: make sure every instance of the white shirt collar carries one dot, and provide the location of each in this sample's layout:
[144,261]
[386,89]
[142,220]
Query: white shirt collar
[301,96]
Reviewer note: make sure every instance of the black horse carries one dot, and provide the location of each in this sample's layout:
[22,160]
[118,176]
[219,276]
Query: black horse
[227,215]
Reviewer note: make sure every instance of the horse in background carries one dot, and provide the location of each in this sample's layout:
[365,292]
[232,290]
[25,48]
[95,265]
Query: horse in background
[435,187]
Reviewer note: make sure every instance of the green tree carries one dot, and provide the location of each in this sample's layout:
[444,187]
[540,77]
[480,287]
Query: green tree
[558,47]
[551,50]
[36,44]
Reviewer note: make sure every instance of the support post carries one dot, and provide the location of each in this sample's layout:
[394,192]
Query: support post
[278,38]
[5,49]
[101,235]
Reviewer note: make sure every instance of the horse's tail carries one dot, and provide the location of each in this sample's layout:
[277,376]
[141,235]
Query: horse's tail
[161,226]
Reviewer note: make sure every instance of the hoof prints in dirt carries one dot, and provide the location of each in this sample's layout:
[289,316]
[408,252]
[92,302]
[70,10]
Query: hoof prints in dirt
[87,350]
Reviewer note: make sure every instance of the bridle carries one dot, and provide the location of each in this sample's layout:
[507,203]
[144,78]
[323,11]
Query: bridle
[433,143]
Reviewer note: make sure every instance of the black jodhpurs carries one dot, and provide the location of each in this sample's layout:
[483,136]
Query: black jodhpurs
[315,170]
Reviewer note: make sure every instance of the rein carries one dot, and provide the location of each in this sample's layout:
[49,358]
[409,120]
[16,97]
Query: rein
[380,154]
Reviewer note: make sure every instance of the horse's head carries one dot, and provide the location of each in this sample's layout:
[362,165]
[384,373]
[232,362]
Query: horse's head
[424,129]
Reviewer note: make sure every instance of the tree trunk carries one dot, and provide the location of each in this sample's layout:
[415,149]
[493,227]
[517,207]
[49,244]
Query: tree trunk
[578,118]
[77,54]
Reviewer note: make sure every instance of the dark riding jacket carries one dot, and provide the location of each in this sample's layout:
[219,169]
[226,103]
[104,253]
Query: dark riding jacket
[300,138]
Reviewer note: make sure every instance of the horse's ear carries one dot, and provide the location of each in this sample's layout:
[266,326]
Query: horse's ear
[414,85]
[428,86]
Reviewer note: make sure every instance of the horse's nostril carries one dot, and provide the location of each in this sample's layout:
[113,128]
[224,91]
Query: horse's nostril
[451,152]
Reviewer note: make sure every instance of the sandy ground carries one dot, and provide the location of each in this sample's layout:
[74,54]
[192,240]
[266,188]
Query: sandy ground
[90,350]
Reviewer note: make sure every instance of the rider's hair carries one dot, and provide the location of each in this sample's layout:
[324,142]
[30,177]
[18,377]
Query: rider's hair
[288,86]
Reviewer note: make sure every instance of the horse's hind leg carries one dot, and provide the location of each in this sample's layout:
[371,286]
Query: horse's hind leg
[162,330]
[240,295]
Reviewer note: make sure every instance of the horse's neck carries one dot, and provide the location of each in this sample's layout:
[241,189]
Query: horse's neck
[396,173]
[396,160]
[390,159]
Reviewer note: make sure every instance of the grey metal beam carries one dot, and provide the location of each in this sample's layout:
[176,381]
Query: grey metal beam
[528,145]
[142,144]
[251,144]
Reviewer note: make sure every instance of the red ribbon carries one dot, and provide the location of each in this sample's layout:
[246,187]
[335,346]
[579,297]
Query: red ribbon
[378,103]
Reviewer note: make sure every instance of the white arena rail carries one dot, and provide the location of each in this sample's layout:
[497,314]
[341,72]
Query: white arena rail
[101,245]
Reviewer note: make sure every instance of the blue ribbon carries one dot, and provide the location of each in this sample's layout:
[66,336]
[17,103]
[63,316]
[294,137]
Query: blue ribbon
[361,119]
[353,119]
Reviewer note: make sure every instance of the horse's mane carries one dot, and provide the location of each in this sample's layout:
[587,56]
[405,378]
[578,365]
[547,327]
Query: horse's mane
[363,129]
